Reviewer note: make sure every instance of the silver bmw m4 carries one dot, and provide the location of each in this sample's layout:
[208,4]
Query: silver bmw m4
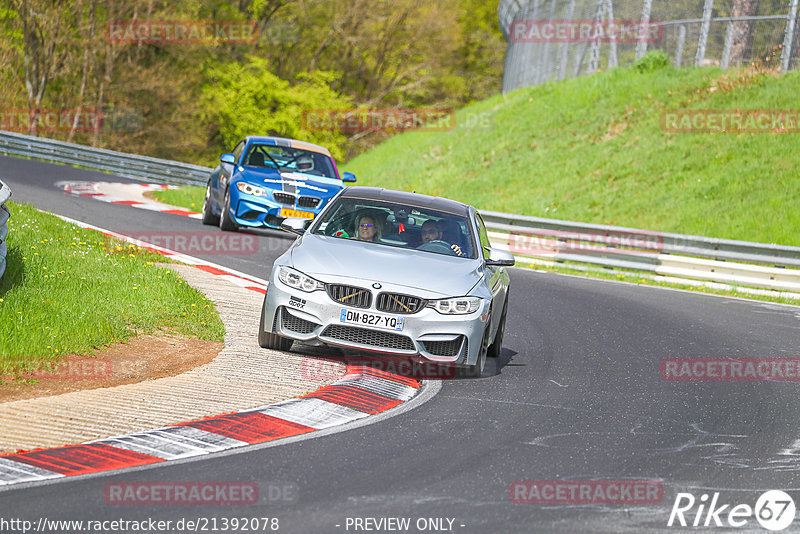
[394,273]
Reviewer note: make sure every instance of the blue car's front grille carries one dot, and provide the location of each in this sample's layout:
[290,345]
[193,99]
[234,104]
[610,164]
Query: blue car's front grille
[308,202]
[283,198]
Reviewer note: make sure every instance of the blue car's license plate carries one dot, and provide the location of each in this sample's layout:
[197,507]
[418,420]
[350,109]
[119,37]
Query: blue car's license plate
[372,320]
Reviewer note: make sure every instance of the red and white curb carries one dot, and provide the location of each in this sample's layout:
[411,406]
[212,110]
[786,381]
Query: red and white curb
[126,194]
[361,392]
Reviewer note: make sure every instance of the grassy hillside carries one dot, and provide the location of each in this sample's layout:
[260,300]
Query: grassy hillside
[592,149]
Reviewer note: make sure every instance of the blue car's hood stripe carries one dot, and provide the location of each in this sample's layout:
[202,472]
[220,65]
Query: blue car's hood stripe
[293,182]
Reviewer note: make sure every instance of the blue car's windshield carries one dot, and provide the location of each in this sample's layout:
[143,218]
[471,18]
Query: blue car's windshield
[288,159]
[387,223]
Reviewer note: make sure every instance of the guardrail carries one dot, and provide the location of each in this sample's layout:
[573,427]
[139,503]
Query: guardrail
[725,261]
[119,163]
[600,247]
[5,194]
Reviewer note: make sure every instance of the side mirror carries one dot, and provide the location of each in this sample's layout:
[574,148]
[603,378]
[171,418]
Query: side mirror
[228,158]
[500,258]
[348,177]
[295,225]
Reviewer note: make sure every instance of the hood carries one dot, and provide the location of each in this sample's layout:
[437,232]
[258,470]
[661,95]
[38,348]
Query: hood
[436,275]
[291,182]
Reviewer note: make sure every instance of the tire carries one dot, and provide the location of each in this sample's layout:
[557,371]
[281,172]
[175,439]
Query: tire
[475,371]
[268,340]
[497,346]
[208,216]
[227,224]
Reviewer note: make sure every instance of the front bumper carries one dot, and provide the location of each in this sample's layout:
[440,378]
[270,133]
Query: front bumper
[316,318]
[262,212]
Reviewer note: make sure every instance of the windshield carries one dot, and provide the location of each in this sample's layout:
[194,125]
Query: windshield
[396,225]
[288,159]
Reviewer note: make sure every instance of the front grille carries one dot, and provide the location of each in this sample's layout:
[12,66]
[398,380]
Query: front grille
[396,303]
[283,198]
[372,338]
[296,324]
[308,202]
[356,297]
[444,348]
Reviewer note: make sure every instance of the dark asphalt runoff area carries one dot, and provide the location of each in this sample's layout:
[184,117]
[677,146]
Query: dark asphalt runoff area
[577,395]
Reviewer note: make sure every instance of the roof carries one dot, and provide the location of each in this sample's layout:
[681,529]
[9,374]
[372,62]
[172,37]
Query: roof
[410,199]
[293,143]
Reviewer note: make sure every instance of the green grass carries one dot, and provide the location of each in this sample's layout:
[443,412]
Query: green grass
[592,149]
[68,290]
[189,197]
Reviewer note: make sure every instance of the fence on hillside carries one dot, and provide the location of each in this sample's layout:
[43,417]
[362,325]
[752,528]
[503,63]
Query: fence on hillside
[545,42]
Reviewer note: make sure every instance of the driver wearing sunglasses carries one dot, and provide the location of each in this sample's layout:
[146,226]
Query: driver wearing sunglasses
[367,229]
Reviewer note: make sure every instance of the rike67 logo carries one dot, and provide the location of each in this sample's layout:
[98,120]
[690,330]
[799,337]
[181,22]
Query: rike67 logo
[774,510]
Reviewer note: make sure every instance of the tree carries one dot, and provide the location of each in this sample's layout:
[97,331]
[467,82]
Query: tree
[44,36]
[743,30]
[250,100]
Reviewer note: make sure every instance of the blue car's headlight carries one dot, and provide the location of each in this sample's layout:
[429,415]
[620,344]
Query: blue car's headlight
[456,306]
[251,189]
[298,280]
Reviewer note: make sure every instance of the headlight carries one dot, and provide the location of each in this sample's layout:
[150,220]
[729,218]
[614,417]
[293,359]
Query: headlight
[298,280]
[250,189]
[456,306]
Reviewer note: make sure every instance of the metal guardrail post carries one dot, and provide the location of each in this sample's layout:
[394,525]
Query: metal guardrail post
[726,48]
[641,46]
[564,49]
[5,194]
[681,43]
[788,40]
[708,8]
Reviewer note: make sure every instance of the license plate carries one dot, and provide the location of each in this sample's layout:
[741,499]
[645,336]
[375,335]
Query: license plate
[372,320]
[286,212]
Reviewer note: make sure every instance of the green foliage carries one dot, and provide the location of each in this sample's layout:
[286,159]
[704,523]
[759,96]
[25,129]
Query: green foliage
[250,100]
[651,61]
[313,54]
